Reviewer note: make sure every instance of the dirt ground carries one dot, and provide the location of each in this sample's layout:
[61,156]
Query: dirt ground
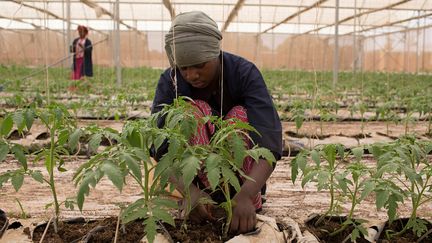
[284,199]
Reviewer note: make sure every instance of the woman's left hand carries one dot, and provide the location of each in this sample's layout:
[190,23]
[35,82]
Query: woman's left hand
[244,215]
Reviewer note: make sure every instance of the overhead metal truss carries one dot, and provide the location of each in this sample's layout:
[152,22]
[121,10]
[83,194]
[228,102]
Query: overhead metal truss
[253,16]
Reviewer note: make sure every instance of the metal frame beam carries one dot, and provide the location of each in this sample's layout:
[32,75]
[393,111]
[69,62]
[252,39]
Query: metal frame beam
[218,3]
[49,13]
[391,23]
[316,4]
[103,11]
[168,5]
[399,31]
[358,15]
[233,14]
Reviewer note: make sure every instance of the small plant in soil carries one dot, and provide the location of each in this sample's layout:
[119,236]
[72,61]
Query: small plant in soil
[406,165]
[221,160]
[224,159]
[61,128]
[298,114]
[331,171]
[130,157]
[181,162]
[387,113]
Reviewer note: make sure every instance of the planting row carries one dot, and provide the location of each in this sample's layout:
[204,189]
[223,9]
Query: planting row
[130,157]
[402,174]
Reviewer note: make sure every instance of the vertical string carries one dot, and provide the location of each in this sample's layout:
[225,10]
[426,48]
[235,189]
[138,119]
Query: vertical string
[175,63]
[46,52]
[221,78]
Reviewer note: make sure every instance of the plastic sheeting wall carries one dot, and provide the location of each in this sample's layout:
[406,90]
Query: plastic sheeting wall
[409,51]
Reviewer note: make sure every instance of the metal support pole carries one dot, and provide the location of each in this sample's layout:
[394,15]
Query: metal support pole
[117,41]
[417,44]
[424,45]
[336,50]
[68,31]
[354,63]
[405,69]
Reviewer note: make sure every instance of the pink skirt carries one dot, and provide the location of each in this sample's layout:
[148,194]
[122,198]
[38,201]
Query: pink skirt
[76,74]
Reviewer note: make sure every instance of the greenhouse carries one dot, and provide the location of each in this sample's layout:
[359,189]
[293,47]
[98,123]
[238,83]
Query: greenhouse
[215,121]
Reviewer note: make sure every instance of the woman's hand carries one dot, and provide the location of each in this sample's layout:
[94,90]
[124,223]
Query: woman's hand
[244,215]
[200,212]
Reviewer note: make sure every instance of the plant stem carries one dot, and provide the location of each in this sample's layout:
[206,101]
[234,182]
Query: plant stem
[353,204]
[228,208]
[321,218]
[51,175]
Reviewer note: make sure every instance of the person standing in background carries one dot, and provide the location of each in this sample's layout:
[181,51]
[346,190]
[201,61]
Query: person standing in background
[82,49]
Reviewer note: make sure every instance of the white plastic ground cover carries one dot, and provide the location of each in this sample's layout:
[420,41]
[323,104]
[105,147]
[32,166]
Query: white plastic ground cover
[373,227]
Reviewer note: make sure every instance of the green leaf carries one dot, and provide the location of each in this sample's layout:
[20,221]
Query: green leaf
[114,174]
[17,181]
[167,203]
[308,177]
[315,157]
[150,228]
[29,118]
[369,186]
[74,139]
[190,168]
[358,153]
[133,165]
[213,177]
[238,147]
[392,207]
[83,189]
[323,179]
[94,142]
[18,119]
[37,176]
[231,178]
[62,137]
[330,153]
[19,155]
[6,125]
[134,138]
[267,155]
[381,198]
[301,161]
[163,215]
[299,121]
[4,150]
[354,235]
[159,141]
[294,170]
[134,211]
[212,161]
[4,178]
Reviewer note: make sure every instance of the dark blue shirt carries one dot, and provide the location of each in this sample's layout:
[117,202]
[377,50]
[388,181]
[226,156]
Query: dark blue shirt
[243,85]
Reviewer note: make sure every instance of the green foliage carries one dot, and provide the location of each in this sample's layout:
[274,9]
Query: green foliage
[57,121]
[327,166]
[403,171]
[221,160]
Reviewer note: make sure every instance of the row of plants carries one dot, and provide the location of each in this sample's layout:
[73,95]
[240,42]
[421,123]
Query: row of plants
[301,111]
[114,107]
[371,89]
[402,174]
[121,106]
[128,157]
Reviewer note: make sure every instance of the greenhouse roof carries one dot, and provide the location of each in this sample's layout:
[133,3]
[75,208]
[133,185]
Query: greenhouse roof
[368,17]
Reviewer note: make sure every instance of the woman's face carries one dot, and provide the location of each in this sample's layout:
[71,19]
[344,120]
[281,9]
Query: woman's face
[81,33]
[201,75]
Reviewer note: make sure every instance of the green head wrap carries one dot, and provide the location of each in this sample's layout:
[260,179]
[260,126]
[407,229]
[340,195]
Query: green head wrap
[193,38]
